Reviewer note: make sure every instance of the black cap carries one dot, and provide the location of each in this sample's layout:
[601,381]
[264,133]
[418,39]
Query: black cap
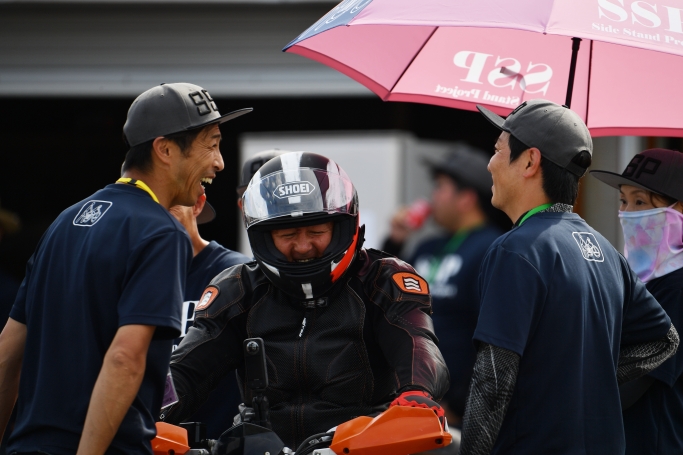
[465,164]
[207,214]
[253,164]
[557,131]
[656,170]
[172,108]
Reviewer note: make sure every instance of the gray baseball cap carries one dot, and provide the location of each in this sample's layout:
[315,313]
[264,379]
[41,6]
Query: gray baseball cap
[656,170]
[466,165]
[557,131]
[172,108]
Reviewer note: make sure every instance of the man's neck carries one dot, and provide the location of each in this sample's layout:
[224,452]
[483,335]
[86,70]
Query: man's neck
[525,204]
[157,185]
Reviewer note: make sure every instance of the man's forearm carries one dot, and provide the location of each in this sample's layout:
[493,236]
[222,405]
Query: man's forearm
[493,381]
[9,389]
[638,360]
[12,341]
[116,387]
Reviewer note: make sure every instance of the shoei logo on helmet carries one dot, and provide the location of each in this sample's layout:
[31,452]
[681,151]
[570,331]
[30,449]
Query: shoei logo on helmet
[208,297]
[292,189]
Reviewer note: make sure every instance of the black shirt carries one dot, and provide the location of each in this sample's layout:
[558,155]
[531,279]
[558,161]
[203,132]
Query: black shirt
[654,424]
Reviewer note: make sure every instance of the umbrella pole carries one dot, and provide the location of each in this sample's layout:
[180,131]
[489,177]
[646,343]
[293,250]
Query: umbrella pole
[576,42]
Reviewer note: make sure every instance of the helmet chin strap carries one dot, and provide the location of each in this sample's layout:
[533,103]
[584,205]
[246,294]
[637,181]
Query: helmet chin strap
[307,288]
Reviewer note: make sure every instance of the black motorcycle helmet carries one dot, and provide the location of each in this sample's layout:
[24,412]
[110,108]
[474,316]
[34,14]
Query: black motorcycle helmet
[299,189]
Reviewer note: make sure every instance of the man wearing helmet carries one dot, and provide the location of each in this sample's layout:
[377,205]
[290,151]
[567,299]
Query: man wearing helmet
[347,330]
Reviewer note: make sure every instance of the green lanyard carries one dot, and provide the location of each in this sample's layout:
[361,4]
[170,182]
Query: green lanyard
[451,247]
[533,212]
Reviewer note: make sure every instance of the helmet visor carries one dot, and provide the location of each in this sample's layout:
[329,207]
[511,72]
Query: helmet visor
[297,193]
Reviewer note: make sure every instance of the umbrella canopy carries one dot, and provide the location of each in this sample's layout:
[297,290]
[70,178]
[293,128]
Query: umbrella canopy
[622,77]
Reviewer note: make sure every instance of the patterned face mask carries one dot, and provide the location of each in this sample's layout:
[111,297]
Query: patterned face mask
[653,241]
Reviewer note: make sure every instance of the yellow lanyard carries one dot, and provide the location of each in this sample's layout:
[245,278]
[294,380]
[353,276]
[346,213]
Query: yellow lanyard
[140,184]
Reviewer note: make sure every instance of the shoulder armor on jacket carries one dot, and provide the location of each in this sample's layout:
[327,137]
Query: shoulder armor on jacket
[230,291]
[388,279]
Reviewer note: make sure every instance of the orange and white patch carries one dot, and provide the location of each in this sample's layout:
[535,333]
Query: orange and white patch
[410,283]
[208,297]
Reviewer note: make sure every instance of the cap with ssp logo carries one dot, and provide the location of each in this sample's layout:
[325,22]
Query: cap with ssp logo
[172,108]
[656,170]
[557,131]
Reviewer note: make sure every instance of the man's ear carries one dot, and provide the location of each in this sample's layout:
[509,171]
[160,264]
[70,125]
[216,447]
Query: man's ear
[532,159]
[161,149]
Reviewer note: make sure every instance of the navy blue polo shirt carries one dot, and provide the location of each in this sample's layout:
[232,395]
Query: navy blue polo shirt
[452,277]
[221,406]
[114,259]
[554,291]
[654,424]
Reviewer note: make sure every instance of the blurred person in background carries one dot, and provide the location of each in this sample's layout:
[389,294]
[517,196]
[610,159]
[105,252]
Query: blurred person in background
[461,206]
[209,259]
[650,212]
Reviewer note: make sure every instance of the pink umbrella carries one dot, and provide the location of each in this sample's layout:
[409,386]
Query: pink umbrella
[618,62]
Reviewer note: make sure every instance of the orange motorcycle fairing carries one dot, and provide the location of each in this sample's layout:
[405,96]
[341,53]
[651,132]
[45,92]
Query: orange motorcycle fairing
[399,430]
[170,440]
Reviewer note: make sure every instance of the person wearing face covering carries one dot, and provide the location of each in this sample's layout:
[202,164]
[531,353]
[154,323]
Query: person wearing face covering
[651,195]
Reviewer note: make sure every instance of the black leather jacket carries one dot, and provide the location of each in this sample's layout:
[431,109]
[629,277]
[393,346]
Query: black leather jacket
[351,357]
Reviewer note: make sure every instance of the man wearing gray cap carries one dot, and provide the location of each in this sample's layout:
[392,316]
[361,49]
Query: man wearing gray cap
[91,330]
[563,319]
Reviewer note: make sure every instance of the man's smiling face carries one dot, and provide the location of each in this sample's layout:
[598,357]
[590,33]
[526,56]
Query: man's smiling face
[303,244]
[198,165]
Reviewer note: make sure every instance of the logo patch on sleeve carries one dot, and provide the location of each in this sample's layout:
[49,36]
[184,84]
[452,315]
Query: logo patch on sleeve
[410,283]
[91,212]
[208,297]
[588,244]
